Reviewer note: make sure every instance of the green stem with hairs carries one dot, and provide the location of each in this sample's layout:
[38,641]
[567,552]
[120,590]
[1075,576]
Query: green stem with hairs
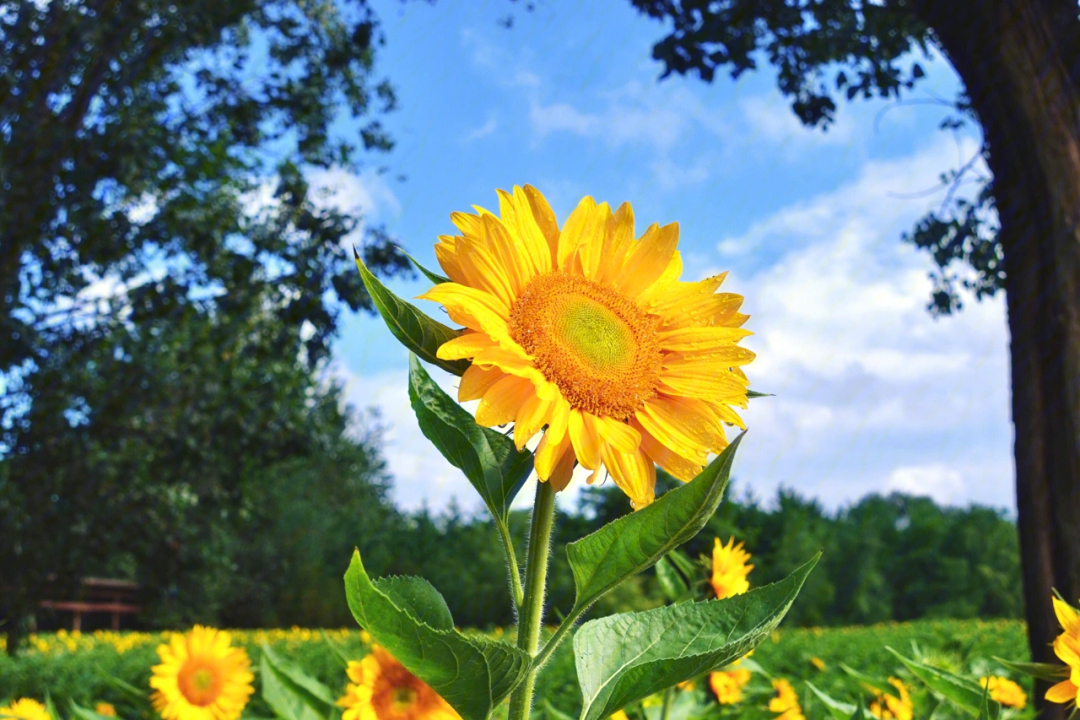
[531,611]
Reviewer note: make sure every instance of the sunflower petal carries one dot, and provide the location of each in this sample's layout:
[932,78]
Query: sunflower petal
[618,434]
[545,220]
[620,239]
[648,258]
[587,443]
[476,381]
[677,465]
[532,416]
[634,473]
[1063,692]
[1067,616]
[501,403]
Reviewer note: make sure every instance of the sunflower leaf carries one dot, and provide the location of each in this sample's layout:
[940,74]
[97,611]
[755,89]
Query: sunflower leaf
[625,547]
[838,710]
[671,582]
[291,692]
[473,674]
[415,330]
[623,658]
[961,692]
[488,458]
[432,276]
[1042,671]
[418,595]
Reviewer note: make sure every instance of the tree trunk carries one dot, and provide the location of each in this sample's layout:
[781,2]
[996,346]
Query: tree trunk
[1017,75]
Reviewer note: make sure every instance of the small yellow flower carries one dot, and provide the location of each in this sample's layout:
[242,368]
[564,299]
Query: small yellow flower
[382,689]
[727,685]
[201,677]
[891,707]
[1005,691]
[687,685]
[591,333]
[619,715]
[786,701]
[1067,647]
[818,663]
[106,709]
[729,569]
[26,709]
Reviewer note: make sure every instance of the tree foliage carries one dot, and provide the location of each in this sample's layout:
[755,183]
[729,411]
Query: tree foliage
[169,280]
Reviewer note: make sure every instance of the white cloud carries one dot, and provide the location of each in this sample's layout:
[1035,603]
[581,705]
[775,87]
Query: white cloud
[366,192]
[768,118]
[940,482]
[489,127]
[871,390]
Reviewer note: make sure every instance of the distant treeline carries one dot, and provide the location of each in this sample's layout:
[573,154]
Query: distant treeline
[281,562]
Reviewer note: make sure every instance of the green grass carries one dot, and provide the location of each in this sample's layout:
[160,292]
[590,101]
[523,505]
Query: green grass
[77,668]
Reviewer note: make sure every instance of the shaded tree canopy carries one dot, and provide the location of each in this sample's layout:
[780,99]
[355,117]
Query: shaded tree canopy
[169,281]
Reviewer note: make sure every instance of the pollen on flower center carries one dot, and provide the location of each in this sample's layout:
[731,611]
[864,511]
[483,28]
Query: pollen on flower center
[198,682]
[595,344]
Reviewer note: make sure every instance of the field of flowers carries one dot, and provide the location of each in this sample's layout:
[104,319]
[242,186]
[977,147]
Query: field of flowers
[105,667]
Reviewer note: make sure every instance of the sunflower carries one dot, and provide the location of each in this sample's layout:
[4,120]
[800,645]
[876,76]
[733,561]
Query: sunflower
[891,707]
[106,709]
[201,677]
[729,569]
[1067,648]
[25,709]
[1005,691]
[382,689]
[727,685]
[590,334]
[786,701]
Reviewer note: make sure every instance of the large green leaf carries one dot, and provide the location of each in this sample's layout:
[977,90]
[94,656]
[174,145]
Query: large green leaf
[623,658]
[1042,671]
[635,542]
[960,691]
[837,710]
[488,458]
[415,330]
[671,582]
[290,692]
[430,275]
[473,674]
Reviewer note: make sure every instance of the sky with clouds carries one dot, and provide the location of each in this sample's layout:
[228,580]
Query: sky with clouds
[871,393]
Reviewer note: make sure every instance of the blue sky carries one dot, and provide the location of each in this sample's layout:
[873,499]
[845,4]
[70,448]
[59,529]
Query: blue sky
[872,394]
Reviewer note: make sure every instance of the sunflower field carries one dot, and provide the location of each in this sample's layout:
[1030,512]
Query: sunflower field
[104,669]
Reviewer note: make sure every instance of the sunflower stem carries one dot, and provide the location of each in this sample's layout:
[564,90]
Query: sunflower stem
[532,608]
[665,710]
[512,563]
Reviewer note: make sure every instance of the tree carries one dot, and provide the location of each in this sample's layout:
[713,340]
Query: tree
[1019,61]
[147,288]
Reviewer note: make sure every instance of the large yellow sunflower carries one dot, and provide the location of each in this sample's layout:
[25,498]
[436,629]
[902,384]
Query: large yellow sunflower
[382,689]
[729,569]
[786,701]
[727,685]
[893,707]
[590,334]
[1005,691]
[25,709]
[1067,648]
[201,677]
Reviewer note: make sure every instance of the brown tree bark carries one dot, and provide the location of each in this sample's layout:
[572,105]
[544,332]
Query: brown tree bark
[1020,73]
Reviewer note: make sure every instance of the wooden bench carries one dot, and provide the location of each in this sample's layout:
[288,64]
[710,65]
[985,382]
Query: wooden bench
[100,595]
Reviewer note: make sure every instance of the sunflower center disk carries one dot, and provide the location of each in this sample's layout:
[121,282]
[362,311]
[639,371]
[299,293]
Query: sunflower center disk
[198,683]
[594,343]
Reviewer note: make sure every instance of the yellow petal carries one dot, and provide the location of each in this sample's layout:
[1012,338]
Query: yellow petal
[532,416]
[512,256]
[1067,616]
[560,469]
[446,254]
[582,228]
[703,310]
[473,308]
[550,452]
[1063,692]
[486,268]
[583,434]
[466,345]
[476,381]
[634,473]
[677,465]
[517,215]
[502,402]
[545,220]
[620,239]
[648,259]
[697,340]
[618,434]
[595,241]
[560,418]
[685,425]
